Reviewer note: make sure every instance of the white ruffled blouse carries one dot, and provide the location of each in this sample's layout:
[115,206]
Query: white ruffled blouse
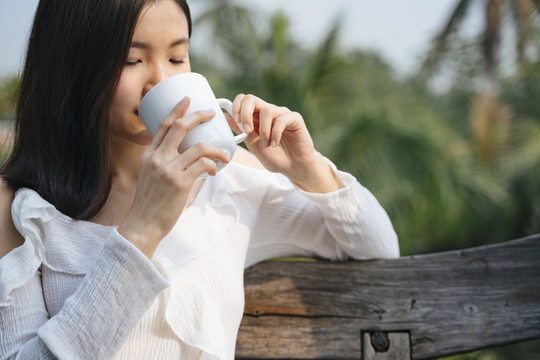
[79,290]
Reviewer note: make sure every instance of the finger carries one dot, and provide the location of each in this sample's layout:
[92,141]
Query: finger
[232,123]
[181,126]
[280,124]
[201,166]
[200,150]
[237,105]
[177,112]
[201,158]
[266,118]
[248,106]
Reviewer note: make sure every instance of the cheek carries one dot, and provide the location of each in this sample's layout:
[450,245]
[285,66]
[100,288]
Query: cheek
[124,96]
[125,101]
[188,64]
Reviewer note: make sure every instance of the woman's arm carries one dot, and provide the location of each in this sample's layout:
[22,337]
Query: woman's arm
[93,322]
[26,312]
[329,212]
[347,223]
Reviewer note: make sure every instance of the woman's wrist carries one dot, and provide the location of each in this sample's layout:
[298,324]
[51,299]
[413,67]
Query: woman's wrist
[319,177]
[138,238]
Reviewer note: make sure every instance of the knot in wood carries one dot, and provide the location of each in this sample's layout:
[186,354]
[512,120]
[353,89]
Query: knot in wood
[380,341]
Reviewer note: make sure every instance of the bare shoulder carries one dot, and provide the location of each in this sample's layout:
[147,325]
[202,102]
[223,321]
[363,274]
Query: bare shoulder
[242,156]
[10,238]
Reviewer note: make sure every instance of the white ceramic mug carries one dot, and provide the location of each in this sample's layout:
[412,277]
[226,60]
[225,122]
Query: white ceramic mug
[163,97]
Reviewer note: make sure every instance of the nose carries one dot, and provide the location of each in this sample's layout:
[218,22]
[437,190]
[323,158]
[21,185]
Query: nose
[156,74]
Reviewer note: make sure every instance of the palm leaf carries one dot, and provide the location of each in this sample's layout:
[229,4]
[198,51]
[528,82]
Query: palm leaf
[279,37]
[536,4]
[422,174]
[521,11]
[319,66]
[490,127]
[238,45]
[440,43]
[491,38]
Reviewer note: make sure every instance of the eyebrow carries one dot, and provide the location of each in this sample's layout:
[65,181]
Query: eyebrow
[142,45]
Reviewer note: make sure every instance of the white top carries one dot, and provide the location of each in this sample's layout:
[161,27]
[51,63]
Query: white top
[79,290]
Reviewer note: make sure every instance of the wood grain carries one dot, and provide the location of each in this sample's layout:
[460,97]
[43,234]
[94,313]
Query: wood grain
[449,303]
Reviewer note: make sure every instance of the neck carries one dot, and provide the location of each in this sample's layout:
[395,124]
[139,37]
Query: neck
[126,162]
[126,159]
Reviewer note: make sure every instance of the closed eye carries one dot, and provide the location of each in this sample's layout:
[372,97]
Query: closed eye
[133,63]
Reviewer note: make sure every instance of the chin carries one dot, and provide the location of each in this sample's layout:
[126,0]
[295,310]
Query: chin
[140,138]
[144,139]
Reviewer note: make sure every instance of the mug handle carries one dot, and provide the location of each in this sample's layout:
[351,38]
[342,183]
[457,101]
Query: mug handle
[227,105]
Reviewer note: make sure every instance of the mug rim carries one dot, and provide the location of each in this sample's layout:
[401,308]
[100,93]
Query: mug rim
[189,74]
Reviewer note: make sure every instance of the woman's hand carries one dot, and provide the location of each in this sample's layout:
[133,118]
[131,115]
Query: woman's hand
[166,178]
[280,140]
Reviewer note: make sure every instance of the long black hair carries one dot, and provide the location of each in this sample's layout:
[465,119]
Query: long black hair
[76,52]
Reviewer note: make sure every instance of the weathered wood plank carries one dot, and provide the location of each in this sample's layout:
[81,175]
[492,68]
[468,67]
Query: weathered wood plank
[392,346]
[449,302]
[279,337]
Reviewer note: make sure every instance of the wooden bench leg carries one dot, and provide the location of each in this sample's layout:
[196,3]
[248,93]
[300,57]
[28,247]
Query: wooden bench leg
[382,345]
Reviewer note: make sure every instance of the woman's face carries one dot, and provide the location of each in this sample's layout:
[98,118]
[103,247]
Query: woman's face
[159,49]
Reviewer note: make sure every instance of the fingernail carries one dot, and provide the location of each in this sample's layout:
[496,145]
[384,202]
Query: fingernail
[184,100]
[211,112]
[247,128]
[237,118]
[273,143]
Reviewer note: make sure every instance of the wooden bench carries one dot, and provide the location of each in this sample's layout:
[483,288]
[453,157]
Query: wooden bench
[414,307]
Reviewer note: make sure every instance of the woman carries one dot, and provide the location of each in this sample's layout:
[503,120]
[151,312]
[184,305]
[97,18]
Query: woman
[111,246]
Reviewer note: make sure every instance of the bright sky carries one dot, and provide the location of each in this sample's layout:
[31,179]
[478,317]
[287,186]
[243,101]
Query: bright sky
[399,30]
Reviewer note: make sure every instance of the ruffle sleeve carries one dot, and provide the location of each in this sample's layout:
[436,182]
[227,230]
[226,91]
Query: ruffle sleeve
[19,265]
[50,238]
[118,286]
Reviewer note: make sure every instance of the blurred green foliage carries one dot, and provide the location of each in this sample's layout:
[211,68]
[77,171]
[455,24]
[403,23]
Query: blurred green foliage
[8,95]
[454,167]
